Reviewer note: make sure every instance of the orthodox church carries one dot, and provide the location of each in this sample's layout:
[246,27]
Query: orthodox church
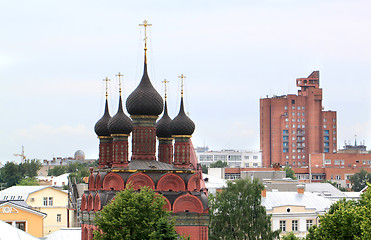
[174,172]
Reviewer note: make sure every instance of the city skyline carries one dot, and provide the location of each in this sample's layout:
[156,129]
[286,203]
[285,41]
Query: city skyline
[54,57]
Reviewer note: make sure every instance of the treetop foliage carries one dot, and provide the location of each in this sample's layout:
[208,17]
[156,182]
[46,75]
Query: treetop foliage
[289,172]
[219,164]
[346,219]
[12,173]
[237,213]
[135,215]
[359,180]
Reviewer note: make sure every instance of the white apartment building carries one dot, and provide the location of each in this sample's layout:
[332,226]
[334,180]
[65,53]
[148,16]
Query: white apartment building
[234,158]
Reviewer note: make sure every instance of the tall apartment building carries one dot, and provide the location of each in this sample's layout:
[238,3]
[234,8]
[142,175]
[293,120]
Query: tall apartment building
[294,126]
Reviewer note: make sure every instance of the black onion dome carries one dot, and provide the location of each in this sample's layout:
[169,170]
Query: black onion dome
[163,128]
[144,100]
[101,127]
[182,124]
[120,123]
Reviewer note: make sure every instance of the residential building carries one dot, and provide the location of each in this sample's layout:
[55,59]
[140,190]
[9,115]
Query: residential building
[234,158]
[294,211]
[294,126]
[20,215]
[46,199]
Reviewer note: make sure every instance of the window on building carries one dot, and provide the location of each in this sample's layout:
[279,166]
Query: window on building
[222,158]
[293,157]
[59,217]
[286,126]
[338,177]
[293,119]
[293,163]
[303,120]
[293,125]
[286,119]
[285,138]
[309,223]
[299,156]
[326,144]
[337,162]
[293,132]
[327,150]
[333,132]
[285,131]
[246,157]
[294,225]
[234,157]
[255,164]
[302,114]
[45,201]
[293,138]
[293,107]
[303,144]
[325,126]
[21,225]
[298,119]
[326,138]
[285,107]
[299,163]
[327,131]
[287,157]
[298,113]
[255,157]
[298,107]
[327,161]
[293,144]
[303,162]
[334,126]
[293,114]
[324,120]
[50,201]
[285,150]
[293,150]
[299,150]
[283,226]
[285,144]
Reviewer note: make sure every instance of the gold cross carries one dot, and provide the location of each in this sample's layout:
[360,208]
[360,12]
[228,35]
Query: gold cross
[106,80]
[145,25]
[182,84]
[165,81]
[119,75]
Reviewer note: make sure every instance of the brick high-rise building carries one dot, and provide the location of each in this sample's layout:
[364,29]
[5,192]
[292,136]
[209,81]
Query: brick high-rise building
[293,126]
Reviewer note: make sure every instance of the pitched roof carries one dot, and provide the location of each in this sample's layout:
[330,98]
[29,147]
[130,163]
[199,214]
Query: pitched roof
[21,192]
[307,199]
[22,205]
[13,233]
[64,233]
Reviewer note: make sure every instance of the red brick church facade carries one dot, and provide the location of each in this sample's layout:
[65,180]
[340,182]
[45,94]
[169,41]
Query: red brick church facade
[174,172]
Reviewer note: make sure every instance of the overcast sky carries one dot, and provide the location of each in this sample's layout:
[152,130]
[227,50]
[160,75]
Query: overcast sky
[54,55]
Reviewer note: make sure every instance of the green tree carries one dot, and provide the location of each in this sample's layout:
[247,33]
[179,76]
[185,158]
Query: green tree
[290,236]
[205,168]
[289,172]
[57,171]
[30,167]
[359,180]
[343,189]
[28,182]
[135,215]
[237,213]
[10,174]
[346,219]
[219,164]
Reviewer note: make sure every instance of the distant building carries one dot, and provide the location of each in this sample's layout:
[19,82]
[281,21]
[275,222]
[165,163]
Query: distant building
[234,158]
[294,126]
[45,199]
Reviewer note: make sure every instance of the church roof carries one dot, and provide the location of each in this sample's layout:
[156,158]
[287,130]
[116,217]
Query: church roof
[101,127]
[144,100]
[120,123]
[182,124]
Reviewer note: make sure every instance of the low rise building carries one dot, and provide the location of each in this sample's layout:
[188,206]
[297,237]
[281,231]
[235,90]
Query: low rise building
[294,211]
[46,199]
[18,214]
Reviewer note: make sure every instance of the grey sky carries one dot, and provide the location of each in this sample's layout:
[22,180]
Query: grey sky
[54,55]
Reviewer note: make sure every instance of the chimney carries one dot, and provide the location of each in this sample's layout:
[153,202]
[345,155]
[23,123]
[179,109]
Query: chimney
[264,192]
[300,188]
